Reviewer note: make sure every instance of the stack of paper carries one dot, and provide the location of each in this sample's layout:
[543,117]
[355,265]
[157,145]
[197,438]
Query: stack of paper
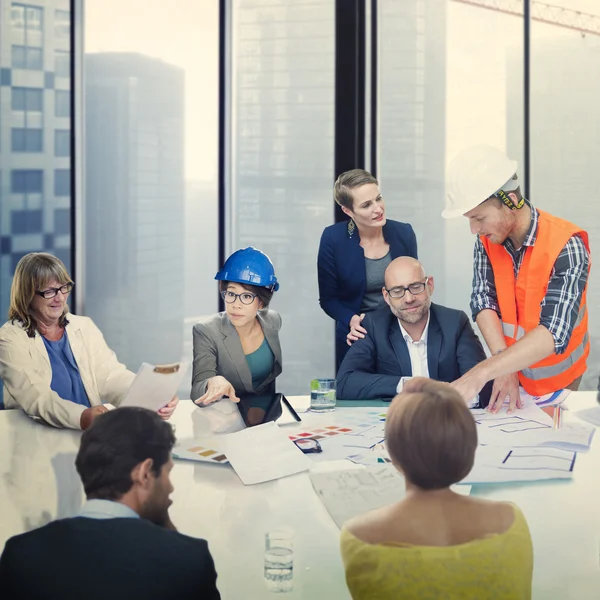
[349,493]
[262,453]
[530,427]
[503,465]
[257,454]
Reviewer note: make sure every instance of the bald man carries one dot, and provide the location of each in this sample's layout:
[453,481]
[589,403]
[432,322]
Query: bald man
[410,337]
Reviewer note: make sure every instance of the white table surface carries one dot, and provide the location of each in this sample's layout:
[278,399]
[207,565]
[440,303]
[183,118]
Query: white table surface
[38,482]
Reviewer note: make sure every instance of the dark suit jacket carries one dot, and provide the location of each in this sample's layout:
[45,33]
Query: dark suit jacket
[218,351]
[374,365]
[342,273]
[96,559]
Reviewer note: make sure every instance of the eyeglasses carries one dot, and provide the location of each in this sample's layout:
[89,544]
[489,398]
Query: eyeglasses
[53,292]
[414,288]
[308,445]
[231,297]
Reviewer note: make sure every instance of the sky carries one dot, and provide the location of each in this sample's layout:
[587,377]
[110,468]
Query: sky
[185,33]
[180,32]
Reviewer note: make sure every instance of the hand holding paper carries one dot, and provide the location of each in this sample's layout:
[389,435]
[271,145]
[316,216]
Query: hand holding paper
[154,388]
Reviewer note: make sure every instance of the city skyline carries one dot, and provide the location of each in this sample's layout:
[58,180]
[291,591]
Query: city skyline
[134,210]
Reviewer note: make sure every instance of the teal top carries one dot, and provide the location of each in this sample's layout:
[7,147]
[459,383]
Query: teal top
[261,363]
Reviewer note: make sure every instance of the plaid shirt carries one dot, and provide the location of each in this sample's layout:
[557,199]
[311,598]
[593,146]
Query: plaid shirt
[560,306]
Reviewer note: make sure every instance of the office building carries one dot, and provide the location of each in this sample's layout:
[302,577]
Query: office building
[134,205]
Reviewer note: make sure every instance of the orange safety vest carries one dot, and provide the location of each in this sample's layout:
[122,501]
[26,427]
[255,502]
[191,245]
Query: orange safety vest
[520,304]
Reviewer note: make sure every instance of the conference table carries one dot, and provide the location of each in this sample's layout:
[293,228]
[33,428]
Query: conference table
[39,483]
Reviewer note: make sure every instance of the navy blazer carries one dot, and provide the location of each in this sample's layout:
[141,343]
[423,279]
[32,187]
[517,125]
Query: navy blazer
[97,559]
[373,366]
[342,273]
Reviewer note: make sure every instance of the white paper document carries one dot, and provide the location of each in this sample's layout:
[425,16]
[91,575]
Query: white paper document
[205,450]
[530,427]
[591,415]
[262,453]
[349,493]
[504,465]
[155,386]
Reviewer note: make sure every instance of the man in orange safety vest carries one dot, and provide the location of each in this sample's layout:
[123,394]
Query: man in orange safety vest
[530,273]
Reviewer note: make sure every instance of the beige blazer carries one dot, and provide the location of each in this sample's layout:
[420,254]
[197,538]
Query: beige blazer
[26,373]
[218,351]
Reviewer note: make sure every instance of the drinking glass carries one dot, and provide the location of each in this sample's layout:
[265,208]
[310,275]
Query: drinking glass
[322,395]
[279,560]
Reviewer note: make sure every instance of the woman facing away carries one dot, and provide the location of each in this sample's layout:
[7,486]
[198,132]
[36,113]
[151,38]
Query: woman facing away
[354,254]
[237,352]
[435,543]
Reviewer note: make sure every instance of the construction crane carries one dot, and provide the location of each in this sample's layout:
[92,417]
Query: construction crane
[550,14]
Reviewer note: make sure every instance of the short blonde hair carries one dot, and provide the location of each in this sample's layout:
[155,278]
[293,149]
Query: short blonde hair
[348,181]
[430,434]
[34,272]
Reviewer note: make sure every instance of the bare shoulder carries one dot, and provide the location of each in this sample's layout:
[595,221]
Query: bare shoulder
[499,516]
[370,527]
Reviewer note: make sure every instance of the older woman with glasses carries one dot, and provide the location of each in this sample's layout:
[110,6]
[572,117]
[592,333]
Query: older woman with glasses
[237,352]
[55,365]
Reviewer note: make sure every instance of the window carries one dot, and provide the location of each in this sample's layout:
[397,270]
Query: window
[27,140]
[26,181]
[62,23]
[24,57]
[27,99]
[62,104]
[26,221]
[27,158]
[62,221]
[27,37]
[27,121]
[62,63]
[283,172]
[62,142]
[441,91]
[564,134]
[17,16]
[62,182]
[149,188]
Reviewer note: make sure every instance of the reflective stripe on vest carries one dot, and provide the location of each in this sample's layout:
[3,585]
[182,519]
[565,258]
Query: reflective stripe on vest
[558,368]
[509,330]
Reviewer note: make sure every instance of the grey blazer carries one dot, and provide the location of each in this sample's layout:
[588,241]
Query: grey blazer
[218,351]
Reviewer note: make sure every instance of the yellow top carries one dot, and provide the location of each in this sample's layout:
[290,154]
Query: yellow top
[496,567]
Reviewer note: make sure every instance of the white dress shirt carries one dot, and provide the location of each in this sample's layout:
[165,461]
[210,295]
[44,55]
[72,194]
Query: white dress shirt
[417,352]
[107,509]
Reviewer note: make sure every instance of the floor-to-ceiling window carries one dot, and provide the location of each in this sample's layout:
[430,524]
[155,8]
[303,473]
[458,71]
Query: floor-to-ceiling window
[565,130]
[281,151]
[151,145]
[450,76]
[35,134]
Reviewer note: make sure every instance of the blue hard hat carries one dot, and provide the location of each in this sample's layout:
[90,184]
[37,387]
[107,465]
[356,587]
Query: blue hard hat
[251,266]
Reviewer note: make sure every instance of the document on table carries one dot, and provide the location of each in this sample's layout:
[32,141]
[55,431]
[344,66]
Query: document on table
[155,385]
[591,415]
[503,465]
[262,453]
[349,493]
[530,427]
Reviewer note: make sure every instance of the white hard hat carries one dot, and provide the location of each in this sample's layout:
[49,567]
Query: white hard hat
[475,175]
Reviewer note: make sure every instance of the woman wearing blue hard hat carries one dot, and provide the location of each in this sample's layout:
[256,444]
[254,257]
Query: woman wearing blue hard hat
[237,352]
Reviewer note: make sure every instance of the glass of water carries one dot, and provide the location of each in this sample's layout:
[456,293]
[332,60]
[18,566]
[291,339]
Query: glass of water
[279,560]
[322,395]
